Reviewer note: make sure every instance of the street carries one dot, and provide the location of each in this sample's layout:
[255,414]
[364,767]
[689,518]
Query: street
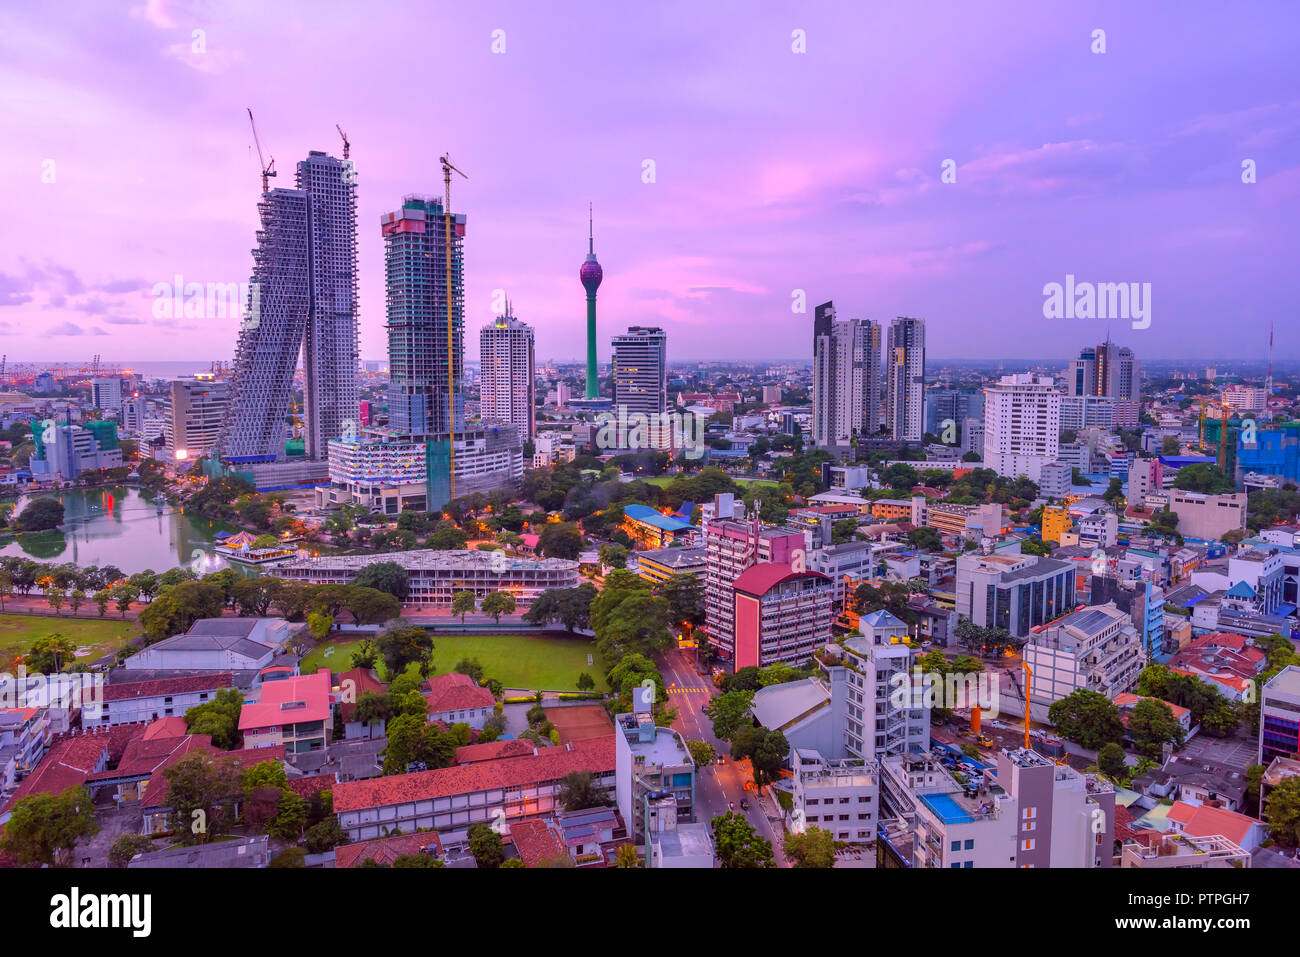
[717,784]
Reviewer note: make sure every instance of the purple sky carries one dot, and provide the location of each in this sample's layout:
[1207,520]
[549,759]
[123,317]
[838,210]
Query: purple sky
[775,171]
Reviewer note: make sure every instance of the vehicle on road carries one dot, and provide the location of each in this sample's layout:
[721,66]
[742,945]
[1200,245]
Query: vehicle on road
[984,741]
[744,805]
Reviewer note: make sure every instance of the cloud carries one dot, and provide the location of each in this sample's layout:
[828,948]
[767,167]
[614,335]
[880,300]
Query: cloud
[64,329]
[123,321]
[156,13]
[14,290]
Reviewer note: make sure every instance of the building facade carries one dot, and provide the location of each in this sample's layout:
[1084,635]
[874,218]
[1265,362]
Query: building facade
[506,362]
[905,380]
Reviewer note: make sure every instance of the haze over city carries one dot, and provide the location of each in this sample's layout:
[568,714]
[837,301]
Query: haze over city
[774,170]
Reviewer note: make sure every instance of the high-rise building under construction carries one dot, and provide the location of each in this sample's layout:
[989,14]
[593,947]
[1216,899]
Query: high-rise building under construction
[302,301]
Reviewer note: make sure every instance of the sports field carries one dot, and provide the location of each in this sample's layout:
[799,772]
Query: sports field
[95,638]
[517,661]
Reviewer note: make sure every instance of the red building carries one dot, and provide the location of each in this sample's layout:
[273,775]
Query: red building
[781,614]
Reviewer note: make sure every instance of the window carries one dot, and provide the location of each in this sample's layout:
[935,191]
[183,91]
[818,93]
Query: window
[1028,826]
[1027,844]
[970,843]
[1029,813]
[956,845]
[969,864]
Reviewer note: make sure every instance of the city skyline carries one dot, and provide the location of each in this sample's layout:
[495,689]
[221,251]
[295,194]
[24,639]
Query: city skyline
[1053,179]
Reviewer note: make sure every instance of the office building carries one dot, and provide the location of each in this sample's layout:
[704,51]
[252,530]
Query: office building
[842,797]
[1022,424]
[1108,370]
[1096,648]
[781,614]
[506,377]
[302,302]
[62,451]
[1279,717]
[846,377]
[106,394]
[1055,481]
[196,409]
[1015,592]
[640,368]
[905,380]
[946,410]
[1208,517]
[730,548]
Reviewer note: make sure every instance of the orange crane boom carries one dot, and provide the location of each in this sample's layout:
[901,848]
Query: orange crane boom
[1029,677]
[268,170]
[447,170]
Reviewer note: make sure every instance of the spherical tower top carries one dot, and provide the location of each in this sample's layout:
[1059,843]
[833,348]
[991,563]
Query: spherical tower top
[591,274]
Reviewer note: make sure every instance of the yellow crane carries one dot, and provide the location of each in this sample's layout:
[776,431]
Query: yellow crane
[447,170]
[347,147]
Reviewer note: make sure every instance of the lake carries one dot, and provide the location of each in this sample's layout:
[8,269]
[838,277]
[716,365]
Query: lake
[120,526]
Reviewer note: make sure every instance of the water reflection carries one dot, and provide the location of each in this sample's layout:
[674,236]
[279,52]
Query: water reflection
[123,526]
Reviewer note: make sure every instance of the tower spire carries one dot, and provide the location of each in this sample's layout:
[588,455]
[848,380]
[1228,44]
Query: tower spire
[591,232]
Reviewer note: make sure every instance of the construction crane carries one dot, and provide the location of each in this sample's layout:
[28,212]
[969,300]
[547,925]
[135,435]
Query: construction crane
[447,170]
[347,147]
[268,169]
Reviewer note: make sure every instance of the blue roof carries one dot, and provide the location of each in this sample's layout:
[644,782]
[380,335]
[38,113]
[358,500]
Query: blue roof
[1241,590]
[648,516]
[883,619]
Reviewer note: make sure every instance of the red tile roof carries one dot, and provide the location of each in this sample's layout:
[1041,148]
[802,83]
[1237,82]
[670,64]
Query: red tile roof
[294,700]
[361,681]
[313,784]
[172,727]
[385,849]
[156,791]
[549,764]
[455,692]
[491,750]
[535,840]
[1204,821]
[143,755]
[66,765]
[160,687]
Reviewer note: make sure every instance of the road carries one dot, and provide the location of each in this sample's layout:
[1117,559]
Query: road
[720,784]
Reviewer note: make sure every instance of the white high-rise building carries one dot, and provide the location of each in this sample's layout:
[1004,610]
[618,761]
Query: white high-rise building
[196,408]
[1022,425]
[506,363]
[106,393]
[846,377]
[905,380]
[640,367]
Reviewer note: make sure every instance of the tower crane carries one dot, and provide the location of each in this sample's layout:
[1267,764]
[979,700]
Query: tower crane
[1029,677]
[347,147]
[268,169]
[447,170]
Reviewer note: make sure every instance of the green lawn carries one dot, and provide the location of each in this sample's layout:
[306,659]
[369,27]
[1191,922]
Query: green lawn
[517,661]
[18,631]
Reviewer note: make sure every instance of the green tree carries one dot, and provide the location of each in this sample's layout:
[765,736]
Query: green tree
[560,540]
[1111,761]
[579,790]
[485,844]
[1088,718]
[702,753]
[51,654]
[126,847]
[202,790]
[448,539]
[389,577]
[290,818]
[463,603]
[586,682]
[685,597]
[738,845]
[40,515]
[320,625]
[1282,808]
[1151,723]
[729,713]
[812,847]
[613,556]
[43,828]
[403,645]
[498,603]
[218,718]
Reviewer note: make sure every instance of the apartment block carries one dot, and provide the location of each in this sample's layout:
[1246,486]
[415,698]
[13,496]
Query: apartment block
[1022,425]
[1279,717]
[1016,592]
[1096,648]
[730,548]
[842,797]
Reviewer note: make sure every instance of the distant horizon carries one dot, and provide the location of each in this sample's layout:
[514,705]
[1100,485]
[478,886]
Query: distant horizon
[745,163]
